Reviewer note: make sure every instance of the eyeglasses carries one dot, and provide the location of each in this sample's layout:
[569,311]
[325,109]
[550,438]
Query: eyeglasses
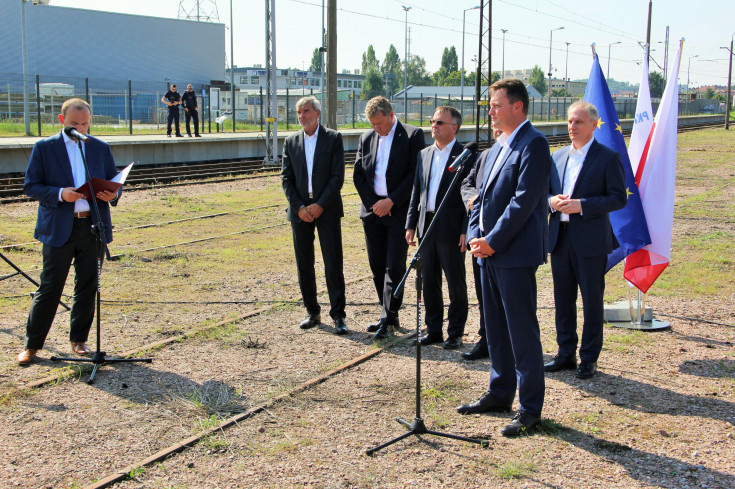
[441,123]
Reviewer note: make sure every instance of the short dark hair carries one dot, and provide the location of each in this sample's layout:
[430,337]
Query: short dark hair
[378,104]
[453,113]
[515,90]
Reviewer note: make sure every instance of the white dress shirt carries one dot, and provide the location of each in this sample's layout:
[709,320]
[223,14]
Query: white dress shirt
[438,164]
[77,169]
[572,169]
[380,186]
[309,148]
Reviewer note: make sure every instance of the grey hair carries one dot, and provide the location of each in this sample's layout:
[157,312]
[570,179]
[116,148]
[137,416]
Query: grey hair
[591,110]
[309,100]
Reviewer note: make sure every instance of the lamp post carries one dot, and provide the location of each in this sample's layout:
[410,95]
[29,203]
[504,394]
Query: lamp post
[728,99]
[566,76]
[461,76]
[26,115]
[502,72]
[551,34]
[608,57]
[689,64]
[405,68]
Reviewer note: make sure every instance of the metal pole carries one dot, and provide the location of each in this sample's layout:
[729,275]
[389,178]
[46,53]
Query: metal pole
[689,65]
[551,36]
[729,89]
[405,68]
[609,46]
[26,96]
[38,103]
[461,78]
[232,67]
[502,69]
[321,58]
[648,31]
[130,105]
[331,120]
[566,77]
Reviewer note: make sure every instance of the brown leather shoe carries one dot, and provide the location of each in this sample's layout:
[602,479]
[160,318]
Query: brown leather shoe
[80,348]
[26,356]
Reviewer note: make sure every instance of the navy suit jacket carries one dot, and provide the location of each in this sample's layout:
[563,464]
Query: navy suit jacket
[399,175]
[453,219]
[327,174]
[601,188]
[48,171]
[515,208]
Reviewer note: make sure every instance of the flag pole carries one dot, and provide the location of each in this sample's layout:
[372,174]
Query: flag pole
[594,53]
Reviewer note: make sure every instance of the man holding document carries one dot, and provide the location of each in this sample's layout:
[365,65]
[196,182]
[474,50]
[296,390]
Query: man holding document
[55,172]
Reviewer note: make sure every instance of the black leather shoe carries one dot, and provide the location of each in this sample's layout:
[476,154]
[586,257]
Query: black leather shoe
[478,351]
[486,404]
[340,327]
[376,326]
[430,339]
[561,363]
[311,321]
[521,424]
[586,370]
[452,343]
[384,332]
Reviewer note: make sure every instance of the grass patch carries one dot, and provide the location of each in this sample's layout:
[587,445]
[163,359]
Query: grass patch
[211,402]
[516,469]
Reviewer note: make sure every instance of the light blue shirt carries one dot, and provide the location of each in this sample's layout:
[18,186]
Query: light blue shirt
[77,169]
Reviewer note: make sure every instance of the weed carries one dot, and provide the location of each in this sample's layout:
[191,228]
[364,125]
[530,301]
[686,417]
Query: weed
[516,469]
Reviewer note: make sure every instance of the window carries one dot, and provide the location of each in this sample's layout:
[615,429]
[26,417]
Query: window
[254,80]
[349,84]
[284,72]
[243,80]
[339,83]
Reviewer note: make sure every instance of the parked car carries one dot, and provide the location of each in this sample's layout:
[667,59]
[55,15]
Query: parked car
[710,109]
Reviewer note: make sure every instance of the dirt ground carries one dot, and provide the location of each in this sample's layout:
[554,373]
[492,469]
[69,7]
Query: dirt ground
[659,413]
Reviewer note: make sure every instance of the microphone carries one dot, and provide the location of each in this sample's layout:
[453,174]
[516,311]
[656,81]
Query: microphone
[73,133]
[470,149]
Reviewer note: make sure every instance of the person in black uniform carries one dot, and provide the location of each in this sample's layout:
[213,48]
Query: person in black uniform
[172,98]
[189,102]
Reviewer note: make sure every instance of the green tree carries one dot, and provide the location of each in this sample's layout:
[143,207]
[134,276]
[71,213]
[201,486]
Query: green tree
[373,84]
[417,74]
[316,61]
[557,92]
[537,80]
[710,93]
[656,84]
[454,79]
[440,76]
[369,60]
[392,66]
[450,61]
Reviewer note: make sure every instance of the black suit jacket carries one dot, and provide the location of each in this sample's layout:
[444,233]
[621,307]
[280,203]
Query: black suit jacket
[453,220]
[399,176]
[601,188]
[327,175]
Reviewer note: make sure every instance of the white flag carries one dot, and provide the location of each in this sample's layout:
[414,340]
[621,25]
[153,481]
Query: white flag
[643,118]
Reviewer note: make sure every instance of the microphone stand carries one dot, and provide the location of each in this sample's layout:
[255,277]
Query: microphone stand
[18,271]
[418,427]
[98,230]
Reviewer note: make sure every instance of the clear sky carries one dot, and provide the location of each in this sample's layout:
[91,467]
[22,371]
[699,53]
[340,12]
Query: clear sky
[436,24]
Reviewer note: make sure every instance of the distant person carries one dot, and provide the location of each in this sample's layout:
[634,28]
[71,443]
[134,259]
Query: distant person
[64,226]
[172,98]
[469,196]
[189,103]
[312,176]
[508,232]
[384,171]
[587,183]
[443,250]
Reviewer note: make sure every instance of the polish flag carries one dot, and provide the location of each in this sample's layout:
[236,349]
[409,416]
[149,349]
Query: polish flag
[656,178]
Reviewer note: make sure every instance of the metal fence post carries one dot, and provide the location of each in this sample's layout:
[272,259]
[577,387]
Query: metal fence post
[38,103]
[287,104]
[261,109]
[353,109]
[130,104]
[421,109]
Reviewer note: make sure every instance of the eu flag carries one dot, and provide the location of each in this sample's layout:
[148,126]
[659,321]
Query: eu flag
[628,223]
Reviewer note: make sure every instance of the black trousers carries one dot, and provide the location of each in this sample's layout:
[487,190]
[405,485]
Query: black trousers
[441,255]
[173,116]
[192,114]
[81,249]
[477,273]
[330,241]
[385,239]
[569,272]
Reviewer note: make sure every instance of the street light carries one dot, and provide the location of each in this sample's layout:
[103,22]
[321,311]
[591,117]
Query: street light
[566,76]
[689,64]
[502,73]
[608,57]
[728,99]
[551,34]
[461,76]
[405,68]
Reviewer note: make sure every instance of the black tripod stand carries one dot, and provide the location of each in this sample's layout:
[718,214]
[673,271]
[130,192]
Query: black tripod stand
[418,427]
[18,271]
[98,230]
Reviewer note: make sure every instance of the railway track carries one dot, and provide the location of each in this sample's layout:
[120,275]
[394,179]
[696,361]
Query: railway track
[11,188]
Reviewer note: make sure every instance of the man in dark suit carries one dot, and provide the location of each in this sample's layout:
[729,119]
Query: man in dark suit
[312,176]
[509,232]
[587,183]
[446,245]
[172,98]
[384,173]
[64,226]
[469,196]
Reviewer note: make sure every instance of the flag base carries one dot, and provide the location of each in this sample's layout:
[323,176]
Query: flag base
[625,314]
[653,325]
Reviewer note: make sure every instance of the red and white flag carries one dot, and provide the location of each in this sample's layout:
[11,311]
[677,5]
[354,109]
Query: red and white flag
[643,122]
[656,177]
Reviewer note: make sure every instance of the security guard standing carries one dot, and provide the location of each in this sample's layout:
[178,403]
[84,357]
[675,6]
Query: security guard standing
[189,102]
[172,98]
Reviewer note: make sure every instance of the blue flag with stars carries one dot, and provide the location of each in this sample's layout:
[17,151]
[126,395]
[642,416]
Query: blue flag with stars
[628,223]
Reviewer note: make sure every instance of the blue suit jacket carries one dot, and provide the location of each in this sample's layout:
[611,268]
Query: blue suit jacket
[48,171]
[601,188]
[515,215]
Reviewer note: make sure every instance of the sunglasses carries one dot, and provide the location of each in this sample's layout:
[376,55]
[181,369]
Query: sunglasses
[441,123]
